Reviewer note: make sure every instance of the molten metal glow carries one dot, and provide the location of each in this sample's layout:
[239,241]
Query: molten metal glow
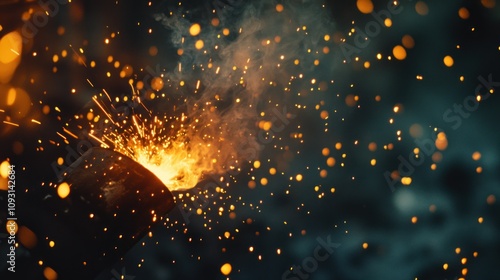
[176,167]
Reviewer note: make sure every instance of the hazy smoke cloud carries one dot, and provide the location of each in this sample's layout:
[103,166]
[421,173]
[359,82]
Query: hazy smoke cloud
[241,71]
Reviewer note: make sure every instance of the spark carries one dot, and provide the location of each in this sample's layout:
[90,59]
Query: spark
[11,123]
[70,133]
[94,98]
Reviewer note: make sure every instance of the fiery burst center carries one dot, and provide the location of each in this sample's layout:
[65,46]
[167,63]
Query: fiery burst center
[168,145]
[175,167]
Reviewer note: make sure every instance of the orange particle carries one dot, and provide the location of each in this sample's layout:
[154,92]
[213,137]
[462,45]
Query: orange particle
[476,156]
[408,41]
[488,3]
[463,13]
[195,29]
[421,8]
[365,6]
[372,146]
[226,269]
[448,61]
[251,184]
[399,52]
[491,199]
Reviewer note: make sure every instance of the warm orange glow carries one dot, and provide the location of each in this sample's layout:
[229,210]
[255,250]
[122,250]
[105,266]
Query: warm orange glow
[448,61]
[10,47]
[11,226]
[10,55]
[226,269]
[488,3]
[4,169]
[408,41]
[176,167]
[441,141]
[199,44]
[365,6]
[399,52]
[27,237]
[195,29]
[463,13]
[63,190]
[421,8]
[49,273]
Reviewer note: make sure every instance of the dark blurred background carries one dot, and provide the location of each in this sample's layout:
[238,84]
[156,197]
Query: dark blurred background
[435,218]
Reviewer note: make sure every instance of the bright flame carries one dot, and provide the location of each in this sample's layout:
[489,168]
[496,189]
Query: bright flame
[175,167]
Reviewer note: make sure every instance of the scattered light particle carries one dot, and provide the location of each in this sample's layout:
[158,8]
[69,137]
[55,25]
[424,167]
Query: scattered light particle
[490,4]
[408,41]
[388,22]
[490,199]
[399,52]
[63,190]
[464,271]
[364,6]
[263,181]
[49,273]
[251,184]
[406,181]
[199,44]
[421,8]
[226,269]
[476,156]
[441,141]
[299,177]
[448,61]
[195,29]
[4,169]
[463,13]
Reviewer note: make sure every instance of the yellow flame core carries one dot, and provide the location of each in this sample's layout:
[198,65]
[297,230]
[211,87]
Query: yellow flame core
[175,167]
